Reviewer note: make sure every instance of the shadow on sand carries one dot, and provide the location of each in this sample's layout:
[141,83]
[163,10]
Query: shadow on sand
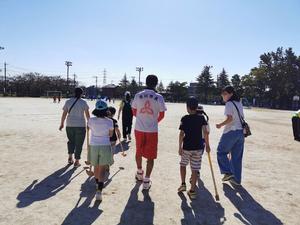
[125,145]
[138,212]
[203,210]
[47,188]
[250,211]
[84,214]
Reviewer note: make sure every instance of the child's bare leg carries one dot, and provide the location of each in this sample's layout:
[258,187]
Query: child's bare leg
[183,174]
[194,180]
[150,164]
[97,172]
[138,160]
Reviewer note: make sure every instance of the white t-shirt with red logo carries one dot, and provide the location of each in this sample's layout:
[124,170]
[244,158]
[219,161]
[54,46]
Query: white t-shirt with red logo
[148,105]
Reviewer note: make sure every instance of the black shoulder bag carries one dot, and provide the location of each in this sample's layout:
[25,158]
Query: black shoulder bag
[73,105]
[245,125]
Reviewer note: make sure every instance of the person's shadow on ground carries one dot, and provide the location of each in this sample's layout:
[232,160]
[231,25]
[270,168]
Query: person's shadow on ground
[138,212]
[203,210]
[125,145]
[250,211]
[47,188]
[84,214]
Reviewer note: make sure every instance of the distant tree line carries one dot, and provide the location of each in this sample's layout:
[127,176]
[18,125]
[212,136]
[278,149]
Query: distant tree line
[273,83]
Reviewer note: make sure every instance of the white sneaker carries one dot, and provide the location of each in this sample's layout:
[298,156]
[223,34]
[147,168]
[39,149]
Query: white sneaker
[146,184]
[98,196]
[139,175]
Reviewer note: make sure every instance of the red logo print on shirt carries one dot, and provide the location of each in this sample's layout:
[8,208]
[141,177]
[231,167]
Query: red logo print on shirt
[147,109]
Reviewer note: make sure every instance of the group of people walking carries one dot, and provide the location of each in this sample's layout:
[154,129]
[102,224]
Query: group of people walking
[149,109]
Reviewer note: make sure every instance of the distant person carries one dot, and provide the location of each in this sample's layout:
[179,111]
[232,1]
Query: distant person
[149,109]
[54,99]
[74,110]
[296,125]
[58,98]
[191,146]
[296,100]
[232,140]
[125,108]
[100,149]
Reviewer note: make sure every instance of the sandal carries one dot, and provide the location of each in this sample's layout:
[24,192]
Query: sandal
[192,194]
[182,188]
[146,184]
[70,161]
[77,164]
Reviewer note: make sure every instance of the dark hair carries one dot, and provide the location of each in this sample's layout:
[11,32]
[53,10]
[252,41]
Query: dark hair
[151,81]
[127,97]
[192,103]
[100,113]
[230,90]
[201,112]
[78,92]
[112,110]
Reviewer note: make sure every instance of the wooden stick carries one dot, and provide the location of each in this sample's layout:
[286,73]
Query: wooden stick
[213,176]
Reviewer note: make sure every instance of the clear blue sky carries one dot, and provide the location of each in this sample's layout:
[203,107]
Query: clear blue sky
[171,38]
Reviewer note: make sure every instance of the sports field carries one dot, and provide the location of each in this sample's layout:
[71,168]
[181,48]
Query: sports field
[37,187]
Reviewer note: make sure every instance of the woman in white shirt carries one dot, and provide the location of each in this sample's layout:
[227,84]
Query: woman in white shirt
[232,140]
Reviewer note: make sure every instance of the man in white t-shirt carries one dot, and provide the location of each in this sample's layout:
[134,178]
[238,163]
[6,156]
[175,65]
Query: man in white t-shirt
[149,109]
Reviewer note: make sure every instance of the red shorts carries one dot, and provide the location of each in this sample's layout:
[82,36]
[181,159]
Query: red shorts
[146,144]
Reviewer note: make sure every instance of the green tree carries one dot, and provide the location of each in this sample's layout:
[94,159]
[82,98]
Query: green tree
[160,87]
[222,80]
[237,84]
[178,91]
[205,84]
[133,87]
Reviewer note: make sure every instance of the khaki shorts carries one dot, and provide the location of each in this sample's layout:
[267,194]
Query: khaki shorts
[192,157]
[101,155]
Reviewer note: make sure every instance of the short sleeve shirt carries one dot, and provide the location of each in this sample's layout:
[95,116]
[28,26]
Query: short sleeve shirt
[100,128]
[76,117]
[192,126]
[148,105]
[232,111]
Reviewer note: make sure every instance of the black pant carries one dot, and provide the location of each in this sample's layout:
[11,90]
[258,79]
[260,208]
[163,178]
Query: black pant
[296,128]
[76,136]
[126,126]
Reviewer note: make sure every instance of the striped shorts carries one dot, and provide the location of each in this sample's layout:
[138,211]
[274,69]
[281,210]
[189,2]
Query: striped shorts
[192,157]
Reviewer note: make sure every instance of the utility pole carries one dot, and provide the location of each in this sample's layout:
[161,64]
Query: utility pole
[104,77]
[5,64]
[74,75]
[96,86]
[140,69]
[68,64]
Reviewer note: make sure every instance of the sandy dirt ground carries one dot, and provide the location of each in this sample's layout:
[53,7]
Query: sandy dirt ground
[37,188]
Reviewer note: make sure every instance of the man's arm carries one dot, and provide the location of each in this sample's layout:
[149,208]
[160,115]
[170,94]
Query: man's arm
[134,111]
[62,120]
[206,138]
[225,122]
[161,116]
[181,136]
[87,114]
